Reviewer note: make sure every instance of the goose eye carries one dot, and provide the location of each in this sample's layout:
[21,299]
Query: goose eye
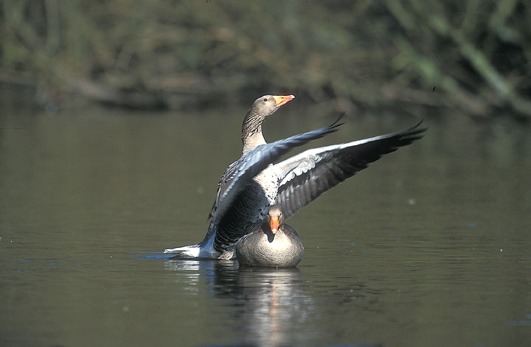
[265,100]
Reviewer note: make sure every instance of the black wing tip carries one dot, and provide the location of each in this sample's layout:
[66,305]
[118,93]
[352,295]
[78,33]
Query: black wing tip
[339,117]
[414,132]
[409,132]
[416,126]
[336,124]
[332,128]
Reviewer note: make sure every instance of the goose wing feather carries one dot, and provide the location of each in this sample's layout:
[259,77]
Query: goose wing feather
[239,175]
[309,174]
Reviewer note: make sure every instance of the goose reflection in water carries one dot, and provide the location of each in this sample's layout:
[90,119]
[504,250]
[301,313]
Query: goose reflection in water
[269,306]
[266,305]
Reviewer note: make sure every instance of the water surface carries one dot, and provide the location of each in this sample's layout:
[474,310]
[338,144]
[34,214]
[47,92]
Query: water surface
[428,247]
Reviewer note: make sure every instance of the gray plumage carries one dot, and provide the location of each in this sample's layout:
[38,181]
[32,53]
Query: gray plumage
[265,248]
[256,181]
[241,201]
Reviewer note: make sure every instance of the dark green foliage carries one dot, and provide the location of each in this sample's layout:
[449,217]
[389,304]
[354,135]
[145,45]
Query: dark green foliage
[471,56]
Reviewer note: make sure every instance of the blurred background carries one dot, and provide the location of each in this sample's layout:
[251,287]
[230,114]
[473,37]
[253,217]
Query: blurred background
[117,119]
[413,55]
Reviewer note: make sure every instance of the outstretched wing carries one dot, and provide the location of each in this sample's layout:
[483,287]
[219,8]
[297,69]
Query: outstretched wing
[237,191]
[241,172]
[313,172]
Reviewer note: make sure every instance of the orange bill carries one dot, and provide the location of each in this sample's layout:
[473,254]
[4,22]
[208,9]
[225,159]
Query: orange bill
[274,224]
[282,99]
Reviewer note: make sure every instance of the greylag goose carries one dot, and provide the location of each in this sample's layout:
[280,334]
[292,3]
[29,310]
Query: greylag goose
[254,182]
[250,208]
[272,244]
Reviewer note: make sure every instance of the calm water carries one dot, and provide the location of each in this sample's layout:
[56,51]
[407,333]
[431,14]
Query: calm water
[430,246]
